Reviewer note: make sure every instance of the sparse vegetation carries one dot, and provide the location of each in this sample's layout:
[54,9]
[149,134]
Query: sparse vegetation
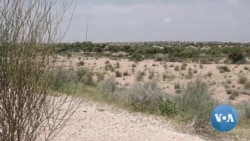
[176,68]
[151,75]
[247,85]
[30,109]
[223,69]
[172,65]
[190,102]
[100,76]
[125,73]
[117,65]
[229,91]
[144,96]
[177,86]
[209,74]
[190,59]
[236,55]
[188,105]
[190,74]
[246,68]
[195,71]
[107,88]
[242,79]
[140,75]
[118,74]
[183,66]
[245,109]
[81,63]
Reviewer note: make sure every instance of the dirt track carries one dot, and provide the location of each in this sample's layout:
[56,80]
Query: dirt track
[98,122]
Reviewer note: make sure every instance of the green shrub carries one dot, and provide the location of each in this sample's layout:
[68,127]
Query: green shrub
[183,66]
[63,77]
[85,76]
[247,85]
[81,63]
[229,81]
[229,91]
[178,91]
[151,75]
[236,55]
[117,65]
[196,102]
[242,79]
[109,67]
[106,62]
[176,68]
[167,107]
[235,93]
[144,96]
[223,69]
[100,76]
[245,92]
[195,71]
[125,73]
[159,57]
[232,97]
[245,109]
[201,66]
[189,75]
[164,77]
[172,65]
[209,74]
[177,86]
[140,75]
[108,88]
[204,61]
[118,74]
[246,68]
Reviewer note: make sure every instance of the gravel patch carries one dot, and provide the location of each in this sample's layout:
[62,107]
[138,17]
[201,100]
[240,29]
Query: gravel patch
[99,122]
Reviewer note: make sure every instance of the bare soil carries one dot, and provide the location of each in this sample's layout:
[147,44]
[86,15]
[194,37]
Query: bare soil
[99,122]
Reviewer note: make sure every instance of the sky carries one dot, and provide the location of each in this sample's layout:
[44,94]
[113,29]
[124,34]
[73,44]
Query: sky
[158,20]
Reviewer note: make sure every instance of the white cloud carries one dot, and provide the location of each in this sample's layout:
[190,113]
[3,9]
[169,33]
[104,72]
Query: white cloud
[167,20]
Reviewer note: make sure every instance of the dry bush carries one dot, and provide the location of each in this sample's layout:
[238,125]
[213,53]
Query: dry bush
[144,96]
[108,88]
[247,85]
[189,101]
[242,79]
[81,63]
[28,109]
[118,74]
[245,109]
[140,75]
[176,68]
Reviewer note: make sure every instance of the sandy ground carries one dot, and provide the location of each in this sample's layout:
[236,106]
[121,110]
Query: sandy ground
[94,121]
[216,81]
[99,122]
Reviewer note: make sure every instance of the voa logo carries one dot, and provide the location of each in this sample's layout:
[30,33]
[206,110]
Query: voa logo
[224,117]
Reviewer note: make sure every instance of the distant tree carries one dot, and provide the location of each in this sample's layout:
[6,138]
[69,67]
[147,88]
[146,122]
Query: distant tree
[165,50]
[236,55]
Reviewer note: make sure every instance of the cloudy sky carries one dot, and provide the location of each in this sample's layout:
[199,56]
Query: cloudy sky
[160,20]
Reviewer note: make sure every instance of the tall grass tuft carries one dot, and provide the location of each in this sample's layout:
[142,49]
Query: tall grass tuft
[107,88]
[144,96]
[196,103]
